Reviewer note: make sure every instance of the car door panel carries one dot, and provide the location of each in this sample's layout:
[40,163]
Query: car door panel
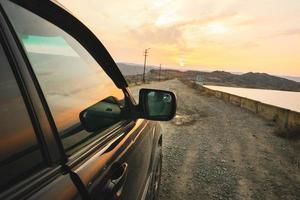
[134,150]
[61,188]
[139,156]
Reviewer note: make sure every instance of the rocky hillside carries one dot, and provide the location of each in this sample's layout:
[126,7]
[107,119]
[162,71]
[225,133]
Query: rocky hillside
[250,80]
[262,80]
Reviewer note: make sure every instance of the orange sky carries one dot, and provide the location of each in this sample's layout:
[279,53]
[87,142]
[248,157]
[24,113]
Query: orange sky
[231,35]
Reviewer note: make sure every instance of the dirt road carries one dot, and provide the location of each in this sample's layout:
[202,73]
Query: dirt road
[214,150]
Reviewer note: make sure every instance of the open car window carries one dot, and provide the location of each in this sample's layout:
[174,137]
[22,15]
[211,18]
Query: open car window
[71,80]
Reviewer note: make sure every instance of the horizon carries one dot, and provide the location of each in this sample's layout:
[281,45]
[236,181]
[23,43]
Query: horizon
[231,35]
[210,70]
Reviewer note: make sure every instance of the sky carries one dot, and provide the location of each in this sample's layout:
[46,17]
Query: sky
[230,35]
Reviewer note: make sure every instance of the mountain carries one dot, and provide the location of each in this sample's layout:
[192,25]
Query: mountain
[266,81]
[247,80]
[133,69]
[250,80]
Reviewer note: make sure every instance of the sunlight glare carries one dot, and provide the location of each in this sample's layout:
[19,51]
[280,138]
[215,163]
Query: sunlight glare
[165,19]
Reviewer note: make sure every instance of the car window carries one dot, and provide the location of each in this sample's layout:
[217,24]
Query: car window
[70,78]
[20,154]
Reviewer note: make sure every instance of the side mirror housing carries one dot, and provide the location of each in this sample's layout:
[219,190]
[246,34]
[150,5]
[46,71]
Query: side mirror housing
[157,105]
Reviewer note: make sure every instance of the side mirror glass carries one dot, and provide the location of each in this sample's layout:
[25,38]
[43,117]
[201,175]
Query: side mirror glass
[157,105]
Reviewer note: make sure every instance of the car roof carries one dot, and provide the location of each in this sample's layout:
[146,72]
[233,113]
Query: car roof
[57,14]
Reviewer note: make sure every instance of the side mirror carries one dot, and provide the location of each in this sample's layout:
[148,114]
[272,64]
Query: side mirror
[100,115]
[157,105]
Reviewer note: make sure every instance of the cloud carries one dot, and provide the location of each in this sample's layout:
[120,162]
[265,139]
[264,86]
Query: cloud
[248,45]
[149,33]
[289,32]
[245,22]
[172,33]
[207,19]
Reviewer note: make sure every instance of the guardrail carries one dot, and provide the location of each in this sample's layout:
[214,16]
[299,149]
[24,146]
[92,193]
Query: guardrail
[285,119]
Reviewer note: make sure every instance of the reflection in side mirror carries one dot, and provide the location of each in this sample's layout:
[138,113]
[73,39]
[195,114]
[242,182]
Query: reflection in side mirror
[101,115]
[157,104]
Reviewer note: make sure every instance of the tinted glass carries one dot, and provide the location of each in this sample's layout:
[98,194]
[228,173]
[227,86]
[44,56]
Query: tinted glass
[19,151]
[68,75]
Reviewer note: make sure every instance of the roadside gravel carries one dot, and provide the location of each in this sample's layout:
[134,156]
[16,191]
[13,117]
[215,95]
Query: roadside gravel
[214,150]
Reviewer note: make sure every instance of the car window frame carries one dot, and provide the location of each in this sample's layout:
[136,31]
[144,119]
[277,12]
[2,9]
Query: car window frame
[103,142]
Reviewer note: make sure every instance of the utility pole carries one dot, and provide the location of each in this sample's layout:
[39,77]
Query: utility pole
[159,72]
[145,54]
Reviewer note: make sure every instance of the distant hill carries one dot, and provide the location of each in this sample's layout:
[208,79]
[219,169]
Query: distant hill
[250,80]
[133,69]
[247,80]
[132,73]
[263,80]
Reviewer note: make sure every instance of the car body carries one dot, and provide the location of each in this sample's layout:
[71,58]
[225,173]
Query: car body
[70,128]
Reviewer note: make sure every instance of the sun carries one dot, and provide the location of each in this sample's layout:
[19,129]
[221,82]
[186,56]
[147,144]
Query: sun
[181,62]
[217,28]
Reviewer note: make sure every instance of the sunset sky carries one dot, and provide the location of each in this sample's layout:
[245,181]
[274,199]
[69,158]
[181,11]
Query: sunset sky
[231,35]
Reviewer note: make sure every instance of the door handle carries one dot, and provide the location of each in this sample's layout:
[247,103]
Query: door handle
[116,180]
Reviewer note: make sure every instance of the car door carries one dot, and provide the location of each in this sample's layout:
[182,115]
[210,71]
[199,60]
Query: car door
[28,168]
[112,162]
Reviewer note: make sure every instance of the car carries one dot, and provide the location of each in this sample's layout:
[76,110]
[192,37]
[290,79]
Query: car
[70,127]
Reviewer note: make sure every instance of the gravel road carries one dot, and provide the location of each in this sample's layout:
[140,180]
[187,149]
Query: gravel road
[214,150]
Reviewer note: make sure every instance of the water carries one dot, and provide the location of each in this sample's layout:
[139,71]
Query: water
[283,99]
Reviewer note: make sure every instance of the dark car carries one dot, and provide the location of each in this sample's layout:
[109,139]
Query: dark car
[70,129]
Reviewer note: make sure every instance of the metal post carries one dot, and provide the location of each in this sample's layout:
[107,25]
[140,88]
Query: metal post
[145,58]
[159,72]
